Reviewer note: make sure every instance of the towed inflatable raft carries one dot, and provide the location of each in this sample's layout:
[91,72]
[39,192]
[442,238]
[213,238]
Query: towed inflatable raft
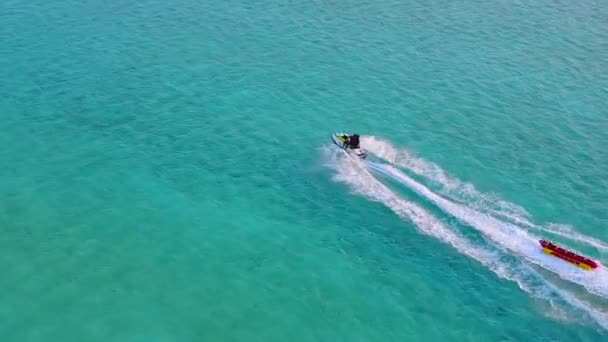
[571,257]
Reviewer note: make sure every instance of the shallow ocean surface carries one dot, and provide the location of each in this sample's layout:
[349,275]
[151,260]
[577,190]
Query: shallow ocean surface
[167,173]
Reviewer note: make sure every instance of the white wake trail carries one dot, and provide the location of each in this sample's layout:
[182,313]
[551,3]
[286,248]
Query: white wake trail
[357,177]
[460,191]
[449,185]
[505,235]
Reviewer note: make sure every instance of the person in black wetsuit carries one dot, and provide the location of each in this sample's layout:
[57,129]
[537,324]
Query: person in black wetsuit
[353,141]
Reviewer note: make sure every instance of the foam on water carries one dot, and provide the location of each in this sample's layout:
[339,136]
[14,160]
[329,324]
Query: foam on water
[355,174]
[364,183]
[449,185]
[458,191]
[506,235]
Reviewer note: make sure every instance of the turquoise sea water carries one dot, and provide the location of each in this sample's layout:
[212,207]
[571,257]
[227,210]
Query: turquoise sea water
[167,173]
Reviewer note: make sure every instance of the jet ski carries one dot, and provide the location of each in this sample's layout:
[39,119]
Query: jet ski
[340,140]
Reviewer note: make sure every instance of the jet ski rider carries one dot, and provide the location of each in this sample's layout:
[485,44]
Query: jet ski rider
[352,141]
